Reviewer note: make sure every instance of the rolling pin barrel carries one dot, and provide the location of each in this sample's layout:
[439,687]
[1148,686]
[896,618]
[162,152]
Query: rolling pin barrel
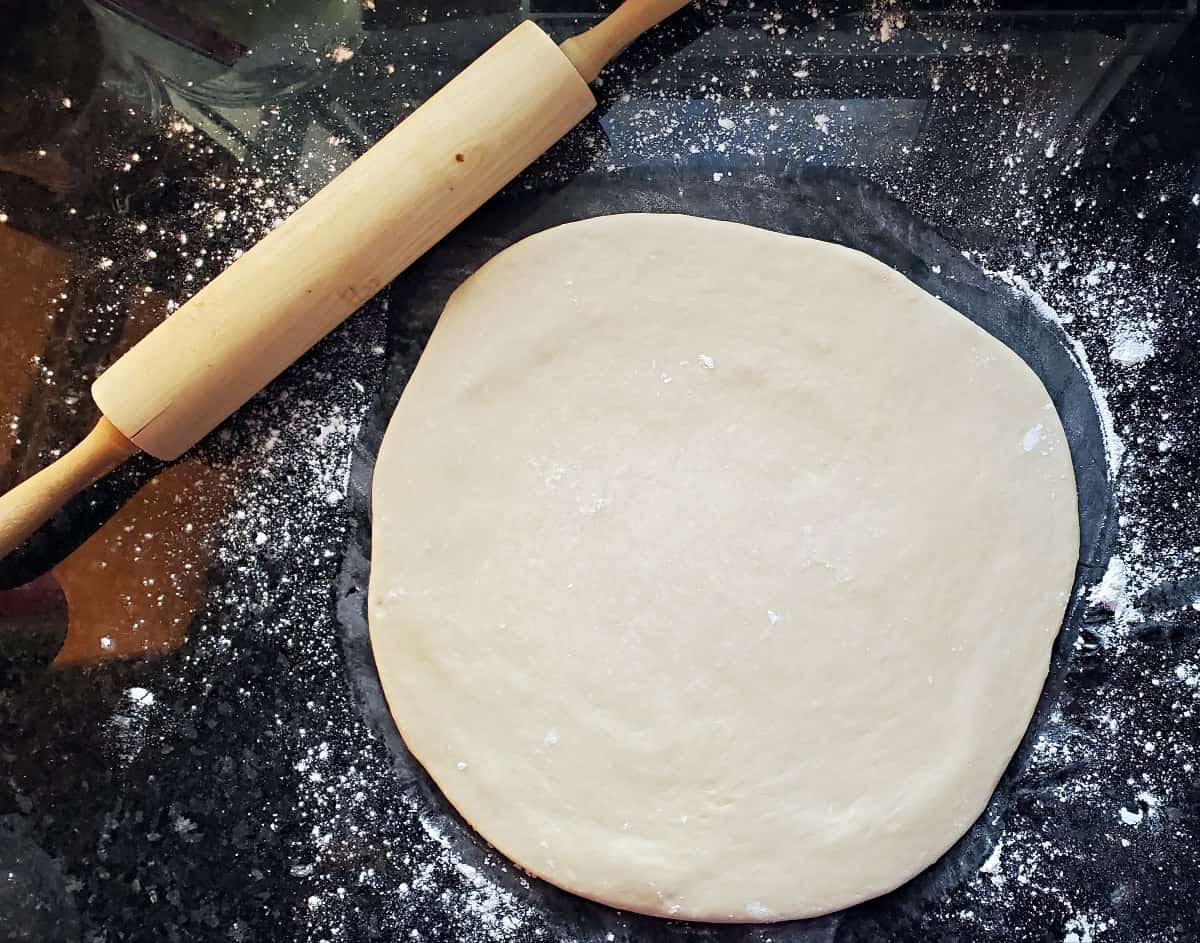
[342,246]
[310,273]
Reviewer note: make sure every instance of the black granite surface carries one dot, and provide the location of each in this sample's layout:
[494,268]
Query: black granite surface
[222,770]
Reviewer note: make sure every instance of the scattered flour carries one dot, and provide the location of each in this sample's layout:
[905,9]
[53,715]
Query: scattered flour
[1131,347]
[1110,592]
[362,839]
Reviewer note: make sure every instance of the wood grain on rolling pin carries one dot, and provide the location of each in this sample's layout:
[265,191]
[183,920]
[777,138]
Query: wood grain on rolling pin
[343,245]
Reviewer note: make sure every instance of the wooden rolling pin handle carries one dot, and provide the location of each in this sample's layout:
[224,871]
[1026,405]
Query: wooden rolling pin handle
[591,51]
[35,500]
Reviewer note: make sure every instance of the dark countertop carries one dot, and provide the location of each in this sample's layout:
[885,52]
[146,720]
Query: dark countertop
[183,755]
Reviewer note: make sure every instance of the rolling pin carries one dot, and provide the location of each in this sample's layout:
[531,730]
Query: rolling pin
[337,250]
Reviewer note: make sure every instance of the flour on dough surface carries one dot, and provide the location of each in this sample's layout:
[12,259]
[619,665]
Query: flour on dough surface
[715,571]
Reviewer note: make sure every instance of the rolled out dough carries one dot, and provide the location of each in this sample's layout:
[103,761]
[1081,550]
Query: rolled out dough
[716,571]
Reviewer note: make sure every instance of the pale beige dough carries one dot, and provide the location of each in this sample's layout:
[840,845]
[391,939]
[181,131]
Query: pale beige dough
[715,571]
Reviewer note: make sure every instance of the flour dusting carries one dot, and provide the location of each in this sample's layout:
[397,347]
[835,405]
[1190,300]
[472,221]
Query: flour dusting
[365,851]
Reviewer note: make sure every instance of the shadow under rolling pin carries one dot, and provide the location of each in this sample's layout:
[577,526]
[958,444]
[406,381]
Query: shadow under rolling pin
[353,237]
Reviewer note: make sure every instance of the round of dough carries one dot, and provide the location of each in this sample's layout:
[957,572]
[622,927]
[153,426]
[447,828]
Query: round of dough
[716,571]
